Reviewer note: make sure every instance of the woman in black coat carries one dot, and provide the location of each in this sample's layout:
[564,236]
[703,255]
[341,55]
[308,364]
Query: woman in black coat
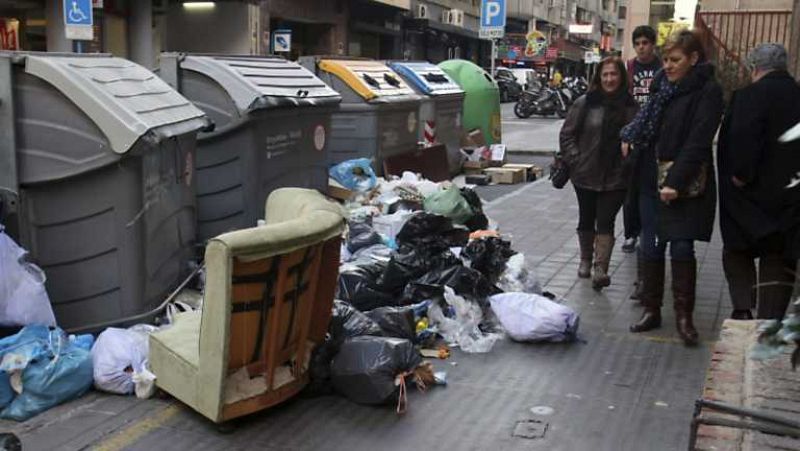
[590,144]
[673,134]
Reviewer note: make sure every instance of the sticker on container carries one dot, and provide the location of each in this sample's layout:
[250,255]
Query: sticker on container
[188,171]
[412,122]
[319,137]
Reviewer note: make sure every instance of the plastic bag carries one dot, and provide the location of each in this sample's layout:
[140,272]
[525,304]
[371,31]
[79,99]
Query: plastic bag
[478,221]
[431,231]
[518,277]
[361,235]
[119,357]
[449,203]
[464,282]
[358,285]
[488,255]
[353,323]
[530,317]
[462,330]
[390,225]
[375,253]
[23,298]
[46,367]
[356,175]
[366,367]
[397,322]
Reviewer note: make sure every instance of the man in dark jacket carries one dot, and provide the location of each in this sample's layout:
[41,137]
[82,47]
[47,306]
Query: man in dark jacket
[758,212]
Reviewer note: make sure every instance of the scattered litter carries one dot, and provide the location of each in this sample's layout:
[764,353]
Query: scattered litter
[518,277]
[463,330]
[661,404]
[542,410]
[441,353]
[611,407]
[530,317]
[440,377]
[454,363]
[574,396]
[354,174]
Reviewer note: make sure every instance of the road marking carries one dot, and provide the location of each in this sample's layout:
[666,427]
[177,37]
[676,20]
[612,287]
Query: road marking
[138,429]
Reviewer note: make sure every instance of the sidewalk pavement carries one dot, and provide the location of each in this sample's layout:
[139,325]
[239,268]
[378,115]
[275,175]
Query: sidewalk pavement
[614,391]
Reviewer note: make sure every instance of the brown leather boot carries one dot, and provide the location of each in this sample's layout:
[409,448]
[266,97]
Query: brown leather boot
[684,281]
[603,245]
[652,296]
[586,242]
[639,284]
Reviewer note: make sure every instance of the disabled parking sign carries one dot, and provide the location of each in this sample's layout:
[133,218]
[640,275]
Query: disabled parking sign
[78,19]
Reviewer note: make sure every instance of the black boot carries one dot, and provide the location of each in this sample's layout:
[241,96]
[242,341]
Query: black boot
[684,282]
[652,296]
[639,284]
[775,285]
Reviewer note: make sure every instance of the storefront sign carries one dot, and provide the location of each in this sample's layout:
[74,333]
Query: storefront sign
[666,29]
[536,44]
[581,29]
[9,34]
[551,54]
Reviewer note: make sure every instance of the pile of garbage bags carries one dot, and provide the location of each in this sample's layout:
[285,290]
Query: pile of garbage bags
[422,264]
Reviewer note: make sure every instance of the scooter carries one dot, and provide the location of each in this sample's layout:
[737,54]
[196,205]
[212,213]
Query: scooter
[548,102]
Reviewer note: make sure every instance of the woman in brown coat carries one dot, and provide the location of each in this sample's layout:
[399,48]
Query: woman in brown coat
[590,144]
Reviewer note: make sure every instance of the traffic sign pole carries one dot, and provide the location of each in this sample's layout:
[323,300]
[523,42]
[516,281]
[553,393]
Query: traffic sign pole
[494,51]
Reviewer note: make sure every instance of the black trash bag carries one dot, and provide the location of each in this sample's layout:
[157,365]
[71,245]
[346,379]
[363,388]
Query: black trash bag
[489,256]
[347,322]
[433,231]
[478,221]
[466,282]
[360,235]
[415,293]
[358,285]
[10,442]
[365,368]
[319,368]
[405,265]
[397,322]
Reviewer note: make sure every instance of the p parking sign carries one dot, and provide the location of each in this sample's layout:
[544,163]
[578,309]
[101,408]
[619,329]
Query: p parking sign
[493,19]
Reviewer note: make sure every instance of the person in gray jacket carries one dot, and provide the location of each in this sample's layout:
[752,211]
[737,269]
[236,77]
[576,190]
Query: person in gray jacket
[590,145]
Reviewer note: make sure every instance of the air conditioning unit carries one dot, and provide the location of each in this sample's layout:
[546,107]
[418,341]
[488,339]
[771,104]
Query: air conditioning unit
[457,17]
[422,11]
[447,16]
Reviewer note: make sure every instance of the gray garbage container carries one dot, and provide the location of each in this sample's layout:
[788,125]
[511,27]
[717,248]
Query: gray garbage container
[441,108]
[97,161]
[378,117]
[272,128]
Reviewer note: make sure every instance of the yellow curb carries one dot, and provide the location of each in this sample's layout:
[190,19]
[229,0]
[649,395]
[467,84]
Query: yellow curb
[132,433]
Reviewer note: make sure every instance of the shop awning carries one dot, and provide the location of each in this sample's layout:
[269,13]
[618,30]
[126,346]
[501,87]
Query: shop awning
[422,24]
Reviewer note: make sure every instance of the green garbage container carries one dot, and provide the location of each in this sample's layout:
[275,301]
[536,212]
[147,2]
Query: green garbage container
[481,100]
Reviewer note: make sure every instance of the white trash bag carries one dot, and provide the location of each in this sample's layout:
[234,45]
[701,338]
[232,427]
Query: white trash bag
[462,330]
[531,317]
[23,298]
[120,363]
[518,277]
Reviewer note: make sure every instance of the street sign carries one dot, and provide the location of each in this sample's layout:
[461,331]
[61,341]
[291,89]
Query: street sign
[282,41]
[493,19]
[78,19]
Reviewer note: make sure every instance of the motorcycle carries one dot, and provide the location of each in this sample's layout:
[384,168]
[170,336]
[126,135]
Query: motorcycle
[547,102]
[510,89]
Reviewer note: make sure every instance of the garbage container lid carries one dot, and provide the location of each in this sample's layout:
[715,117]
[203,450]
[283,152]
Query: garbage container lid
[125,100]
[259,82]
[468,75]
[372,80]
[427,77]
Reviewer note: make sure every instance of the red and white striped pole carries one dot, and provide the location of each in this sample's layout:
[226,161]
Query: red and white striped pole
[429,134]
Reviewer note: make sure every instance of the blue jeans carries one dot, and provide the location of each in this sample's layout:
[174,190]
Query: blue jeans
[651,248]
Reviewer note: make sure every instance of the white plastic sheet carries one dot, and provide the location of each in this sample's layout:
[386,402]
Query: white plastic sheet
[530,317]
[518,277]
[23,298]
[463,329]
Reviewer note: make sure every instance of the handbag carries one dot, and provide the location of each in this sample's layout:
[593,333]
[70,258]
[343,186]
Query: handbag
[559,172]
[697,186]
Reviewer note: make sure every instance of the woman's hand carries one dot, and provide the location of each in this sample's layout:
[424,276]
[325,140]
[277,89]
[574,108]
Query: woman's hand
[626,149]
[668,194]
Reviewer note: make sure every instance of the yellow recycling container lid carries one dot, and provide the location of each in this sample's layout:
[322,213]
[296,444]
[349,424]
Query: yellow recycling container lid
[369,79]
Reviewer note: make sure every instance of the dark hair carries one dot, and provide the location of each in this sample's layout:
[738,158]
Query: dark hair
[644,31]
[687,41]
[615,60]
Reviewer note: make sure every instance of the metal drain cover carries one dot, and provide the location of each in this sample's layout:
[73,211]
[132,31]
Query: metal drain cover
[530,429]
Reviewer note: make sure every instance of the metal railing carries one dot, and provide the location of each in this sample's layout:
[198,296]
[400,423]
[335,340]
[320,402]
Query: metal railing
[730,35]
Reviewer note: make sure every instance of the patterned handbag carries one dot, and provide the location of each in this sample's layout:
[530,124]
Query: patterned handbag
[696,187]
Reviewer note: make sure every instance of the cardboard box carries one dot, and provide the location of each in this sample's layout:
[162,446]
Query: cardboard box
[478,179]
[337,191]
[482,164]
[473,138]
[506,176]
[497,155]
[530,170]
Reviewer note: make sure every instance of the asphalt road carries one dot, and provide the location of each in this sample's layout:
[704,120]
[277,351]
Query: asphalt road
[533,134]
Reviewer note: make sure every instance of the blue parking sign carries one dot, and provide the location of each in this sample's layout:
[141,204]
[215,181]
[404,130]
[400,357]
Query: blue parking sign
[493,13]
[78,12]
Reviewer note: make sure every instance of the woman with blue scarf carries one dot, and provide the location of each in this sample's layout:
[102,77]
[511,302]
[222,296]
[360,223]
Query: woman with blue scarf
[672,136]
